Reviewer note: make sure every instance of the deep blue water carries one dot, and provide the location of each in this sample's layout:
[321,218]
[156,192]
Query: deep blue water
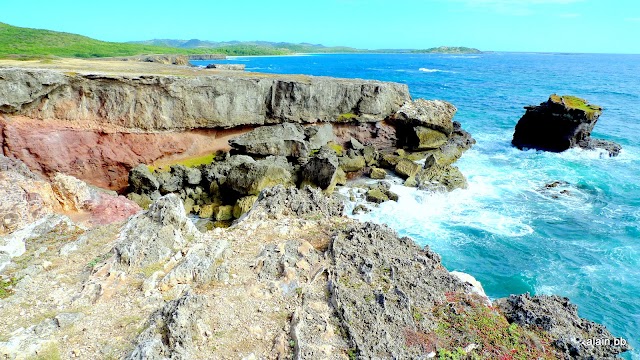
[502,229]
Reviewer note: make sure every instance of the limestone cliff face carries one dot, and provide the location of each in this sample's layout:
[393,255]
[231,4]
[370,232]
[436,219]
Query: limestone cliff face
[161,102]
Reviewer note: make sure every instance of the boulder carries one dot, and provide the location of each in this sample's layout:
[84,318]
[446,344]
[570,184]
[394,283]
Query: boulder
[376,196]
[233,67]
[319,135]
[421,137]
[289,201]
[440,178]
[378,174]
[356,145]
[433,114]
[243,205]
[352,164]
[156,234]
[249,178]
[141,180]
[559,318]
[282,140]
[560,123]
[224,213]
[321,170]
[407,168]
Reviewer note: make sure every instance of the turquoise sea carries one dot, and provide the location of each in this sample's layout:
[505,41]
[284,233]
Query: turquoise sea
[505,229]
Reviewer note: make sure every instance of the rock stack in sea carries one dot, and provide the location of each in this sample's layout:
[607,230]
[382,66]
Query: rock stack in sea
[561,123]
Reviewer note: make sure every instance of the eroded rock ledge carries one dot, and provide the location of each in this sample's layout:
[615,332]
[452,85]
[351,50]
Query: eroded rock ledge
[160,102]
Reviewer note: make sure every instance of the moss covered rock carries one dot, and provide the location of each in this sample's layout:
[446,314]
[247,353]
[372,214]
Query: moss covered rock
[407,168]
[352,164]
[243,205]
[378,173]
[224,213]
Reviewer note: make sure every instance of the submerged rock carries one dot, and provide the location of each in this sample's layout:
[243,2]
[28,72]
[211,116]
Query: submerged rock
[561,123]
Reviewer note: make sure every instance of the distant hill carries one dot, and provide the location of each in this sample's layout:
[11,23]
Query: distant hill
[26,42]
[275,46]
[448,50]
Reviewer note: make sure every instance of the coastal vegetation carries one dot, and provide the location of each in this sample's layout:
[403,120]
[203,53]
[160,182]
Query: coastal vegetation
[27,43]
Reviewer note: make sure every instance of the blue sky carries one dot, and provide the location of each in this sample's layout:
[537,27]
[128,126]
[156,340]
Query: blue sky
[603,26]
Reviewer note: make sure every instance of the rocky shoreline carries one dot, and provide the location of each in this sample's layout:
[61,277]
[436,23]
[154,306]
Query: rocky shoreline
[273,269]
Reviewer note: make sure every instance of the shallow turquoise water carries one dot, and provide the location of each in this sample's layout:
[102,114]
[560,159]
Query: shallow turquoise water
[503,230]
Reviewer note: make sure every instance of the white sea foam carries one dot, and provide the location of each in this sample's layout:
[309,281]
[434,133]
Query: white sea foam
[427,70]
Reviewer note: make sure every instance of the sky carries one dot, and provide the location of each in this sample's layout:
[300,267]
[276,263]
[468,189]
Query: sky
[591,26]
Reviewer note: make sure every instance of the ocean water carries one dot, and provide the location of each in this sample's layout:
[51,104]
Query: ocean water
[506,229]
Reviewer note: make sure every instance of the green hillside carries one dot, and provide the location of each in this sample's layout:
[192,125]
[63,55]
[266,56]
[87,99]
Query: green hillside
[276,46]
[25,42]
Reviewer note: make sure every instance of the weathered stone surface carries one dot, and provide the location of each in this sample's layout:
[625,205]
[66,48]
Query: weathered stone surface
[321,170]
[243,205]
[432,114]
[142,181]
[282,201]
[25,196]
[319,135]
[73,194]
[559,317]
[280,140]
[352,164]
[224,213]
[182,60]
[176,331]
[407,168]
[421,138]
[376,196]
[560,123]
[378,174]
[249,178]
[99,156]
[379,283]
[155,235]
[197,267]
[180,102]
[441,178]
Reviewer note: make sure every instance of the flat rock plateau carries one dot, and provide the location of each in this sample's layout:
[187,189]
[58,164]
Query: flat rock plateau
[155,211]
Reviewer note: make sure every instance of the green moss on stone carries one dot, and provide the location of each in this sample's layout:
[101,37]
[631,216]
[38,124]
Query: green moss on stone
[573,102]
[347,117]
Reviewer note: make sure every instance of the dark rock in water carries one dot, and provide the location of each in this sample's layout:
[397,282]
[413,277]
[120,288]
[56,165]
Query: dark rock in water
[282,140]
[235,67]
[321,170]
[561,123]
[572,335]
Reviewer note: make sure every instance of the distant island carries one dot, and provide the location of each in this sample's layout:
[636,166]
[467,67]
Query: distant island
[27,43]
[448,50]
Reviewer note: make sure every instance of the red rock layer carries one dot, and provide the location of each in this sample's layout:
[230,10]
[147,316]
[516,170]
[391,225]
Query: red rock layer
[100,158]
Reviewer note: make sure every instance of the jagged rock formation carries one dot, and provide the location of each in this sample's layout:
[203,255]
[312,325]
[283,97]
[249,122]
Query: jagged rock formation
[292,278]
[561,123]
[575,337]
[179,103]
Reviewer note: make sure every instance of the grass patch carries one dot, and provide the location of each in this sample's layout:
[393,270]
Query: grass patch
[51,351]
[6,287]
[188,162]
[337,148]
[347,117]
[464,319]
[151,269]
[97,260]
[573,102]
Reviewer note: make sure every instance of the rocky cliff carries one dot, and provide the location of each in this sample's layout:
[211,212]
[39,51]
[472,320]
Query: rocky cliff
[159,102]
